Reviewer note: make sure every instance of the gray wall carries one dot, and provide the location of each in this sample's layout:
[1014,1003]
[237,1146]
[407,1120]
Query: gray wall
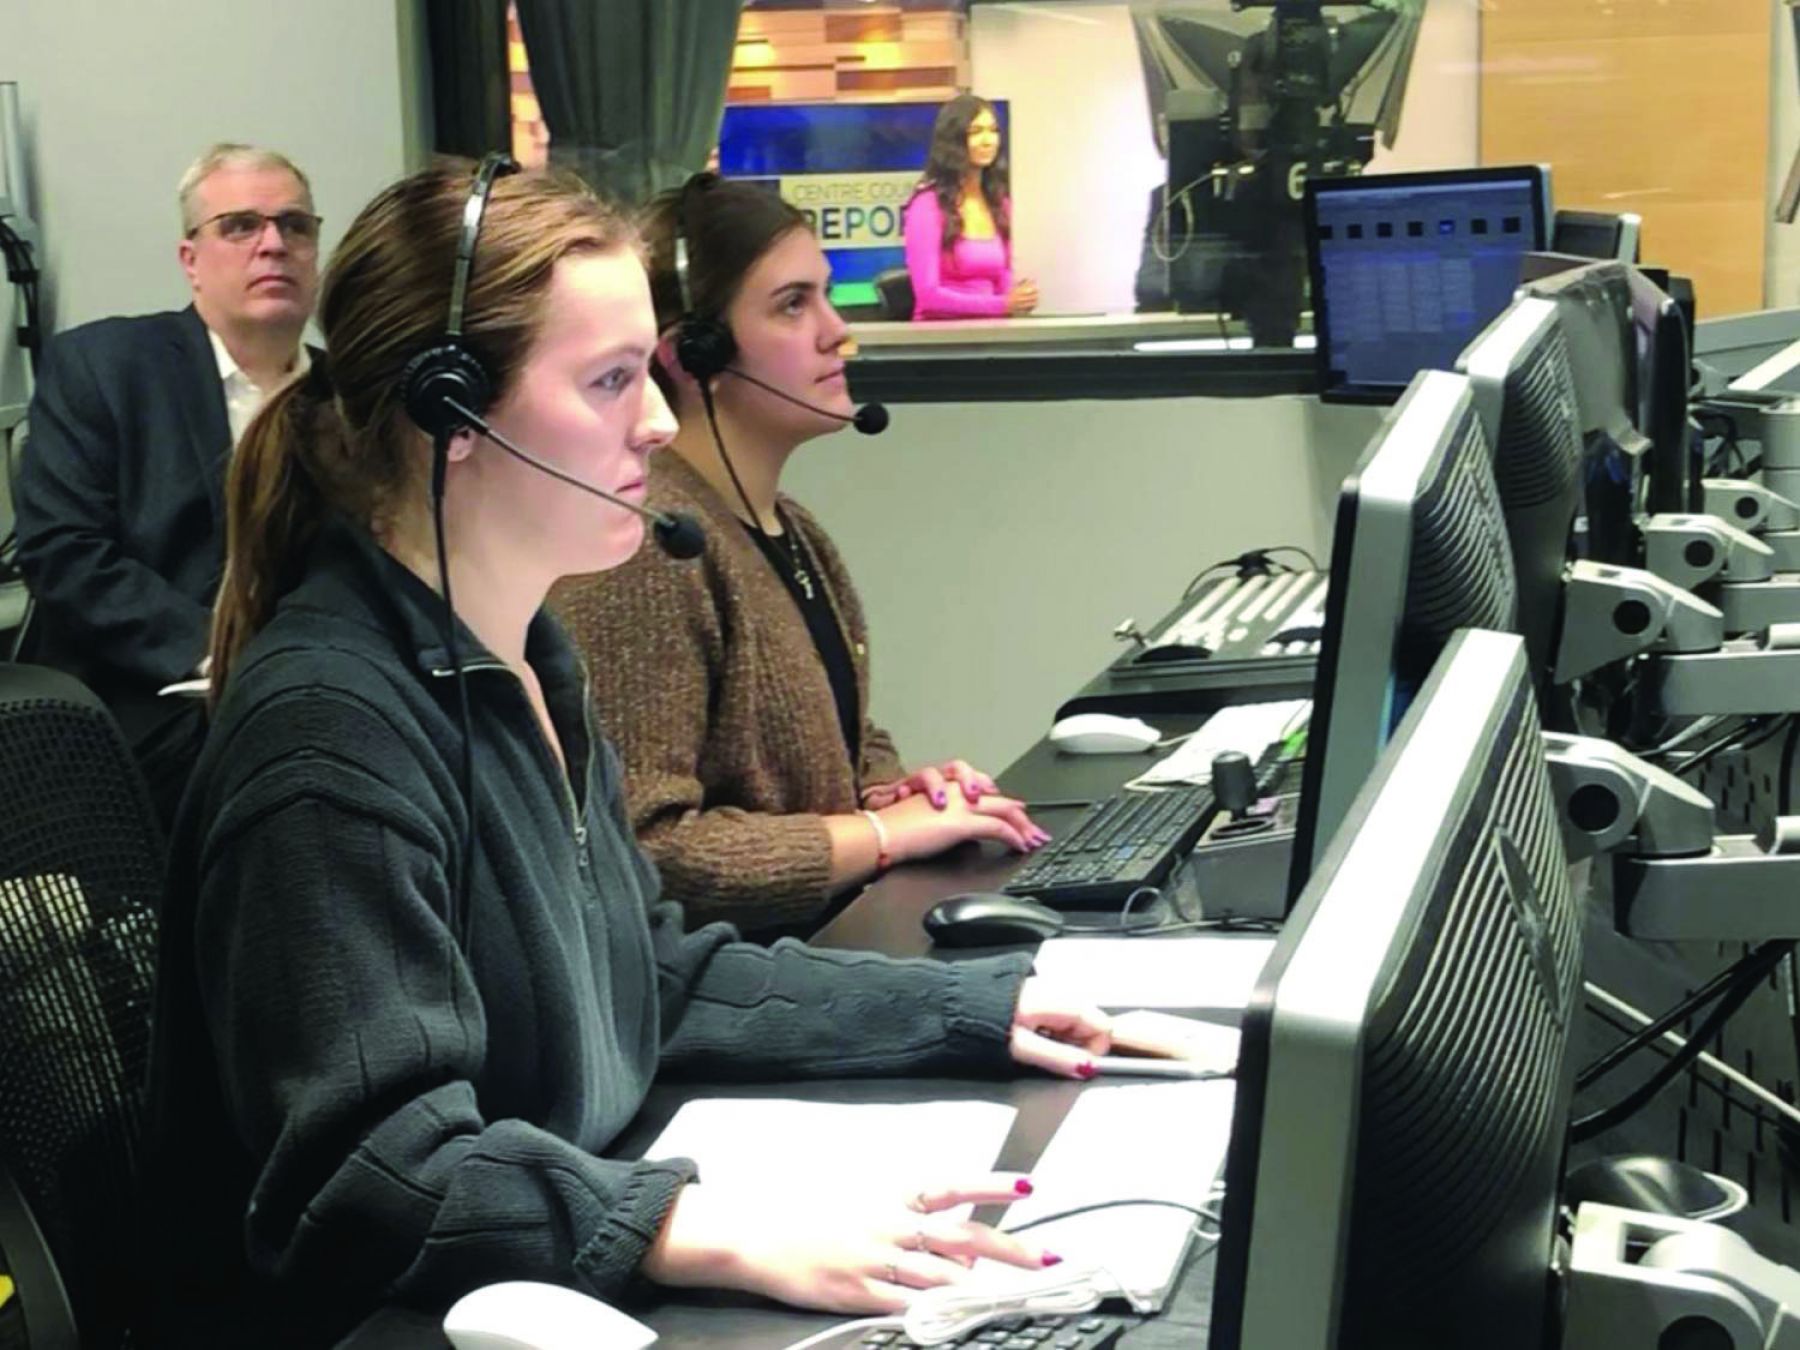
[118,96]
[995,546]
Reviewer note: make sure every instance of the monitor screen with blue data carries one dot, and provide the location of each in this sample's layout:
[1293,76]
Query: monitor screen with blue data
[1407,268]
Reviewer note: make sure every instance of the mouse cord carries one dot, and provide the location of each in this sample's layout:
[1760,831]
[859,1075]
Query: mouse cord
[1198,1211]
[1152,927]
[1763,960]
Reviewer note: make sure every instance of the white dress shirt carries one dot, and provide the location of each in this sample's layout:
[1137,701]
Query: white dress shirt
[243,398]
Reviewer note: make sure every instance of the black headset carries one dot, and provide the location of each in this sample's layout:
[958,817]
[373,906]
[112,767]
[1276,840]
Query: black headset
[445,374]
[703,342]
[451,371]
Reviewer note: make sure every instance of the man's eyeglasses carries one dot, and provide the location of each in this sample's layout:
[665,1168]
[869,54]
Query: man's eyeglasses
[299,229]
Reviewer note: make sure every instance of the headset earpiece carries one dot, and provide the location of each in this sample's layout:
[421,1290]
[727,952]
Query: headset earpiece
[704,345]
[438,376]
[450,371]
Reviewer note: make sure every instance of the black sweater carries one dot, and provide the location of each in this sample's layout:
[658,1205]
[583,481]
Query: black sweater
[346,1108]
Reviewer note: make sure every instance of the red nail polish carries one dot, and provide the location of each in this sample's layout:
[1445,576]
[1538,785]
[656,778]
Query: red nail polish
[941,800]
[1023,1186]
[1052,1259]
[1087,1070]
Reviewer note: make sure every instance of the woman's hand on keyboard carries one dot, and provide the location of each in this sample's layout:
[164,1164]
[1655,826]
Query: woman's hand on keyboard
[1056,1033]
[934,783]
[851,1256]
[917,828]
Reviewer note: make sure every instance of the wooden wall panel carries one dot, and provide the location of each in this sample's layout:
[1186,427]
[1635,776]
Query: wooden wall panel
[891,52]
[914,50]
[1654,106]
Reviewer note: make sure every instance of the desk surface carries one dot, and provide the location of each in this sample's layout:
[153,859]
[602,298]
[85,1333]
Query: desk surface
[725,1321]
[886,918]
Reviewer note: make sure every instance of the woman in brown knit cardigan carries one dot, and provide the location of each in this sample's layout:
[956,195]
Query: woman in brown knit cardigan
[736,686]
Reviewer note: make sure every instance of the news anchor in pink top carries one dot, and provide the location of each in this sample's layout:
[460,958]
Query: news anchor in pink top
[958,224]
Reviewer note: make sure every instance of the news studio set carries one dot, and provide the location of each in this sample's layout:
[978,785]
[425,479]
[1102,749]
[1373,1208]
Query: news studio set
[851,167]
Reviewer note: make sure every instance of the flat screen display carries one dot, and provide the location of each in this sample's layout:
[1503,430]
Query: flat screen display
[1408,268]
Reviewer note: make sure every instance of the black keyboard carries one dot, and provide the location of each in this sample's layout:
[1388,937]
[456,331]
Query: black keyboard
[1075,1331]
[1120,843]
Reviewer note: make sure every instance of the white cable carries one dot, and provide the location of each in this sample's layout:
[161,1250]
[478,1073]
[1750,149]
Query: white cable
[1717,1065]
[861,1324]
[950,1311]
[1698,727]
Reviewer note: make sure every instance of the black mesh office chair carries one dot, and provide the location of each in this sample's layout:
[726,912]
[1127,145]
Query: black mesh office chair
[80,890]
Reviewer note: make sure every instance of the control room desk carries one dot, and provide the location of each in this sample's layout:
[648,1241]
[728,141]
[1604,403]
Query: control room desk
[886,918]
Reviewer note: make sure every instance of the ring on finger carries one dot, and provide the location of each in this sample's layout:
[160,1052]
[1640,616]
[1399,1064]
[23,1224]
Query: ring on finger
[893,1273]
[918,1203]
[917,1243]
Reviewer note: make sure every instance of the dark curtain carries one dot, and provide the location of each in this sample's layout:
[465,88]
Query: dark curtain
[470,88]
[632,90]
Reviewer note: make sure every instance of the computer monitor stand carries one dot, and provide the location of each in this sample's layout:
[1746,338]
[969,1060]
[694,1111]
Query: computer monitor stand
[1651,1281]
[1674,877]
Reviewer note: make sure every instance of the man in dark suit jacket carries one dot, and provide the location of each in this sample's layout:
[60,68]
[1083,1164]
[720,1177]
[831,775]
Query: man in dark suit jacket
[120,499]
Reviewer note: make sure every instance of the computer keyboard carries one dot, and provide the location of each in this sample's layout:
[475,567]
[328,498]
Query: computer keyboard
[1118,844]
[1074,1331]
[1241,618]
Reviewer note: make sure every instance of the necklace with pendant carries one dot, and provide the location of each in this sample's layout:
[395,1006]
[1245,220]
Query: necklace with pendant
[802,574]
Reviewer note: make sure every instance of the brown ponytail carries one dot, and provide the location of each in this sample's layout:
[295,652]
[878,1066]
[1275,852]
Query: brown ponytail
[344,444]
[270,503]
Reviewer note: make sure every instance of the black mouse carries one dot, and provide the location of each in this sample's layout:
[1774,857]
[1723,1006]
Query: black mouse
[990,919]
[1655,1185]
[1175,651]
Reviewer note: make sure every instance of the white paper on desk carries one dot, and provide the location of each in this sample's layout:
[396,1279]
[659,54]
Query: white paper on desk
[1248,728]
[1164,1141]
[764,1143]
[1204,970]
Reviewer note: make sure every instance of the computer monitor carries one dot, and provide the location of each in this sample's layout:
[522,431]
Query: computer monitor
[1524,390]
[1418,551]
[1665,375]
[1406,268]
[1597,234]
[1595,302]
[1404,1074]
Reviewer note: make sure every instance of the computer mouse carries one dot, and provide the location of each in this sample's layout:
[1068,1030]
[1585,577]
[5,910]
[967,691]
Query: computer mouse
[527,1315]
[990,919]
[1103,734]
[1175,651]
[1654,1185]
